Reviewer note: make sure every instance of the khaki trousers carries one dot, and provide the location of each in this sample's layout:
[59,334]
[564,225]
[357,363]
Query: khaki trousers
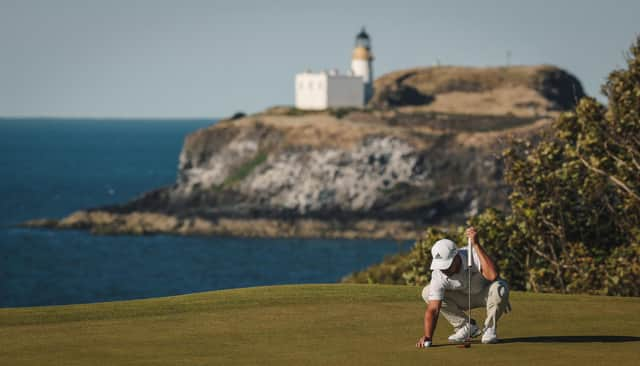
[494,296]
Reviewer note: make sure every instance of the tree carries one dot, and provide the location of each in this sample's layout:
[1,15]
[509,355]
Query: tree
[574,224]
[576,195]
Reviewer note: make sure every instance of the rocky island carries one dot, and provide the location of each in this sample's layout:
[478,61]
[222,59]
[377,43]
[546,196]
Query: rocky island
[425,151]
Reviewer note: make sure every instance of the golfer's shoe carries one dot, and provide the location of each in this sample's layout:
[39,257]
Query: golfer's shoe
[461,334]
[489,336]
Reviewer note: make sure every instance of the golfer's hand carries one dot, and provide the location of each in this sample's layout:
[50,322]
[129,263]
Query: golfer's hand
[473,234]
[421,342]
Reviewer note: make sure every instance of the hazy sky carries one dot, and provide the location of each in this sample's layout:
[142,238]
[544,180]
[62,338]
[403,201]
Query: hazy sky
[115,58]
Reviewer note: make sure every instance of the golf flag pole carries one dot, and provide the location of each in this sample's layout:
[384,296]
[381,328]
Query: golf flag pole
[469,262]
[469,251]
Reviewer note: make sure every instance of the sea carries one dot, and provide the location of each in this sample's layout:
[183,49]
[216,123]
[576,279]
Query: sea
[51,167]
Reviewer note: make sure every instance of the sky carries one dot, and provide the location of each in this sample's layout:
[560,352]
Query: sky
[210,59]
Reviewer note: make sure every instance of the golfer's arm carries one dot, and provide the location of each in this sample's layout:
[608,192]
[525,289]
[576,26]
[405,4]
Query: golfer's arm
[431,317]
[488,268]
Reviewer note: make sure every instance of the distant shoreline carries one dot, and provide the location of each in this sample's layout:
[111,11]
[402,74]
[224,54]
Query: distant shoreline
[150,223]
[114,119]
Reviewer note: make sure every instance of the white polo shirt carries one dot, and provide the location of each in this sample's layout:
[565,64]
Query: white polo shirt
[457,282]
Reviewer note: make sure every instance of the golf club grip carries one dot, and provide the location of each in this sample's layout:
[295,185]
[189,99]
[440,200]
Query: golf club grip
[469,252]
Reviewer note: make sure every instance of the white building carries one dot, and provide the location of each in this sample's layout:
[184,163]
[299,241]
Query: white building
[322,90]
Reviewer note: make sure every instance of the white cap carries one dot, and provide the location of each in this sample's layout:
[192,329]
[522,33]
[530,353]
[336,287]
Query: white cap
[443,252]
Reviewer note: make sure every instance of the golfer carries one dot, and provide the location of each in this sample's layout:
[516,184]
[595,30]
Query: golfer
[449,290]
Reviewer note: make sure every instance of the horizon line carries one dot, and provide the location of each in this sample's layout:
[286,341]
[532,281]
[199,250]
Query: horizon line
[109,118]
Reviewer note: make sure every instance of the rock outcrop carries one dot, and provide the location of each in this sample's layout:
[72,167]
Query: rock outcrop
[492,90]
[381,172]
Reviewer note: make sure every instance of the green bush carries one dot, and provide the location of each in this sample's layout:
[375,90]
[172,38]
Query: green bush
[389,272]
[623,271]
[576,195]
[574,225]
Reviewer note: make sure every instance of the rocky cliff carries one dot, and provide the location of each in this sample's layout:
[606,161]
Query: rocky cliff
[414,158]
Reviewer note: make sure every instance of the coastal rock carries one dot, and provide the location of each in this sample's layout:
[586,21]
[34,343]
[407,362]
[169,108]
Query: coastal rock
[346,180]
[144,223]
[426,153]
[409,167]
[480,90]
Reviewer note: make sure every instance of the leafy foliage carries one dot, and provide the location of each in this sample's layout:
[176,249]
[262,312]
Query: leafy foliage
[419,258]
[576,195]
[389,272]
[574,225]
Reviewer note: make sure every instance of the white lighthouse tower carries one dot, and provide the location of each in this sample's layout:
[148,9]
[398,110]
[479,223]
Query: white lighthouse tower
[329,89]
[362,63]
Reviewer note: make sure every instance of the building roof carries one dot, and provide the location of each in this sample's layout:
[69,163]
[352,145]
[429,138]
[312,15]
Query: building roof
[363,34]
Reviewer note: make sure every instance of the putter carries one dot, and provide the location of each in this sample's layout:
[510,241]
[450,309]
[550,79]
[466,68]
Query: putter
[467,342]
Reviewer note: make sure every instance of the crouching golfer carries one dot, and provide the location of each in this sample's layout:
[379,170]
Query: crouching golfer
[449,288]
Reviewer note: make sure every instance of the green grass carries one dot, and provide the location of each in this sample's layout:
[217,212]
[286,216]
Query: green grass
[243,171]
[317,325]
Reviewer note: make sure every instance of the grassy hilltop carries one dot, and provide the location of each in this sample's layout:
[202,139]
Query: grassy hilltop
[314,324]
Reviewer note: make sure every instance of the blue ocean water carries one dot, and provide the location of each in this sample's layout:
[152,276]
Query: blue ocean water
[52,167]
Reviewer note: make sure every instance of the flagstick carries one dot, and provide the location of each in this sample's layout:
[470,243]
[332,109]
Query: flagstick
[469,263]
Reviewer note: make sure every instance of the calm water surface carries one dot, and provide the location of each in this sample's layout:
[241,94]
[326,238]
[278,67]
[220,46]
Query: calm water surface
[52,167]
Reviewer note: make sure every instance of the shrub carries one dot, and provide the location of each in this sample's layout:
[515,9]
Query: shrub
[574,225]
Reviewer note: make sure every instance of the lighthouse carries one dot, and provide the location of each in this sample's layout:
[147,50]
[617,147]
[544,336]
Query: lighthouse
[362,63]
[330,89]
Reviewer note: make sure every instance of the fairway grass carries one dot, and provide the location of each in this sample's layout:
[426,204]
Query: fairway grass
[315,325]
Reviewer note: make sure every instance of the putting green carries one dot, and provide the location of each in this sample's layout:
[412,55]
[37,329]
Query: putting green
[317,325]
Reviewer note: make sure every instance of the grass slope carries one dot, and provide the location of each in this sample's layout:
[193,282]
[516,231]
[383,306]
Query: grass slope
[314,324]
